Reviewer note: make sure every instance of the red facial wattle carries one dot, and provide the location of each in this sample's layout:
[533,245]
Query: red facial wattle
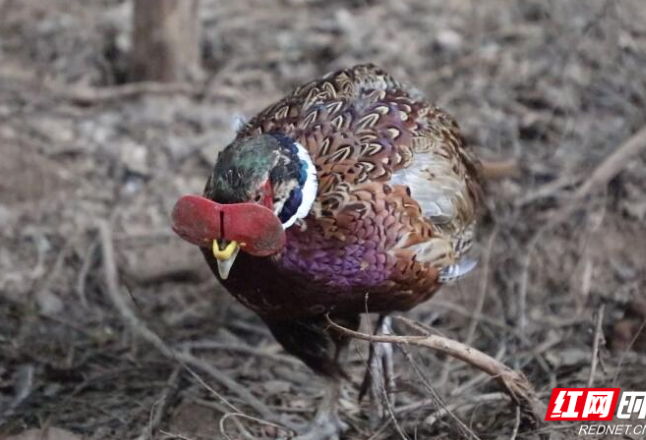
[254,227]
[267,195]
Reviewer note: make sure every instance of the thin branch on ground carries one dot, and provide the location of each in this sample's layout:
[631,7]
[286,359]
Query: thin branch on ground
[87,96]
[391,412]
[140,329]
[437,399]
[229,383]
[480,377]
[224,410]
[514,434]
[235,416]
[24,386]
[557,188]
[241,348]
[500,169]
[598,337]
[613,164]
[514,382]
[175,436]
[479,316]
[90,95]
[162,405]
[81,279]
[380,430]
[482,294]
[559,217]
[432,418]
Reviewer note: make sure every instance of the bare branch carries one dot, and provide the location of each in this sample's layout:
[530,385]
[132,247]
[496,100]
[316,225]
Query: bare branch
[513,382]
[141,330]
[613,164]
[598,337]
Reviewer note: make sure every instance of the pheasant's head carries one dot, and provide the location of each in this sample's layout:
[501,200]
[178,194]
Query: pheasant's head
[259,187]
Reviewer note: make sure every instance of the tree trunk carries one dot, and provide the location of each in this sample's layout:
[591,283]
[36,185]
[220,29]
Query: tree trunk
[166,44]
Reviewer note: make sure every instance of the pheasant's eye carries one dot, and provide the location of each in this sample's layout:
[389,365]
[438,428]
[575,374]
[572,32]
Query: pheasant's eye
[257,198]
[276,200]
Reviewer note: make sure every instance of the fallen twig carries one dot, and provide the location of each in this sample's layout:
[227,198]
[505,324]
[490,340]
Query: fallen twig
[229,383]
[81,279]
[242,348]
[500,169]
[432,418]
[480,302]
[556,188]
[24,385]
[187,359]
[516,424]
[464,430]
[235,416]
[114,294]
[86,96]
[482,294]
[598,337]
[175,436]
[93,95]
[613,164]
[161,406]
[514,382]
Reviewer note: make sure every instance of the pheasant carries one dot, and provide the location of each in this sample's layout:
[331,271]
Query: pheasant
[350,195]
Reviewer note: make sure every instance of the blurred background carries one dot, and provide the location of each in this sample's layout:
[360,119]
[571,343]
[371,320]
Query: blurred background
[112,109]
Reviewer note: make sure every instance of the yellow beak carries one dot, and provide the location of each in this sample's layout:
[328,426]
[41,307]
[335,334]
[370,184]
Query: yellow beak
[225,257]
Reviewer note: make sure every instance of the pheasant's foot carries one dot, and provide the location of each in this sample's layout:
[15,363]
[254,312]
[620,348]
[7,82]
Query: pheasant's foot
[327,425]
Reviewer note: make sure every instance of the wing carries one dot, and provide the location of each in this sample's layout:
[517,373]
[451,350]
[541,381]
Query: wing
[389,165]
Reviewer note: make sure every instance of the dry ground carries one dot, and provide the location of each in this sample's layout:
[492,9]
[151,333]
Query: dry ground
[555,85]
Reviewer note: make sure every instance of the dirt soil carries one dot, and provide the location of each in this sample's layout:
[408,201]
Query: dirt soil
[86,161]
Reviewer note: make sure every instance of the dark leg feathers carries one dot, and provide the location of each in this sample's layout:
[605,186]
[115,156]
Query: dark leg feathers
[320,347]
[312,341]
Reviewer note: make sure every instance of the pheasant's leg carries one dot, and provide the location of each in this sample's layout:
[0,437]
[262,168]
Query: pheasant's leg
[322,349]
[380,374]
[327,425]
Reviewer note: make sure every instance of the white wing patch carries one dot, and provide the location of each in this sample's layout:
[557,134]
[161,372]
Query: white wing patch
[434,193]
[434,185]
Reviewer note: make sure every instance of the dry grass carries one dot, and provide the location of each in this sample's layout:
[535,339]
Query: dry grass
[556,87]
